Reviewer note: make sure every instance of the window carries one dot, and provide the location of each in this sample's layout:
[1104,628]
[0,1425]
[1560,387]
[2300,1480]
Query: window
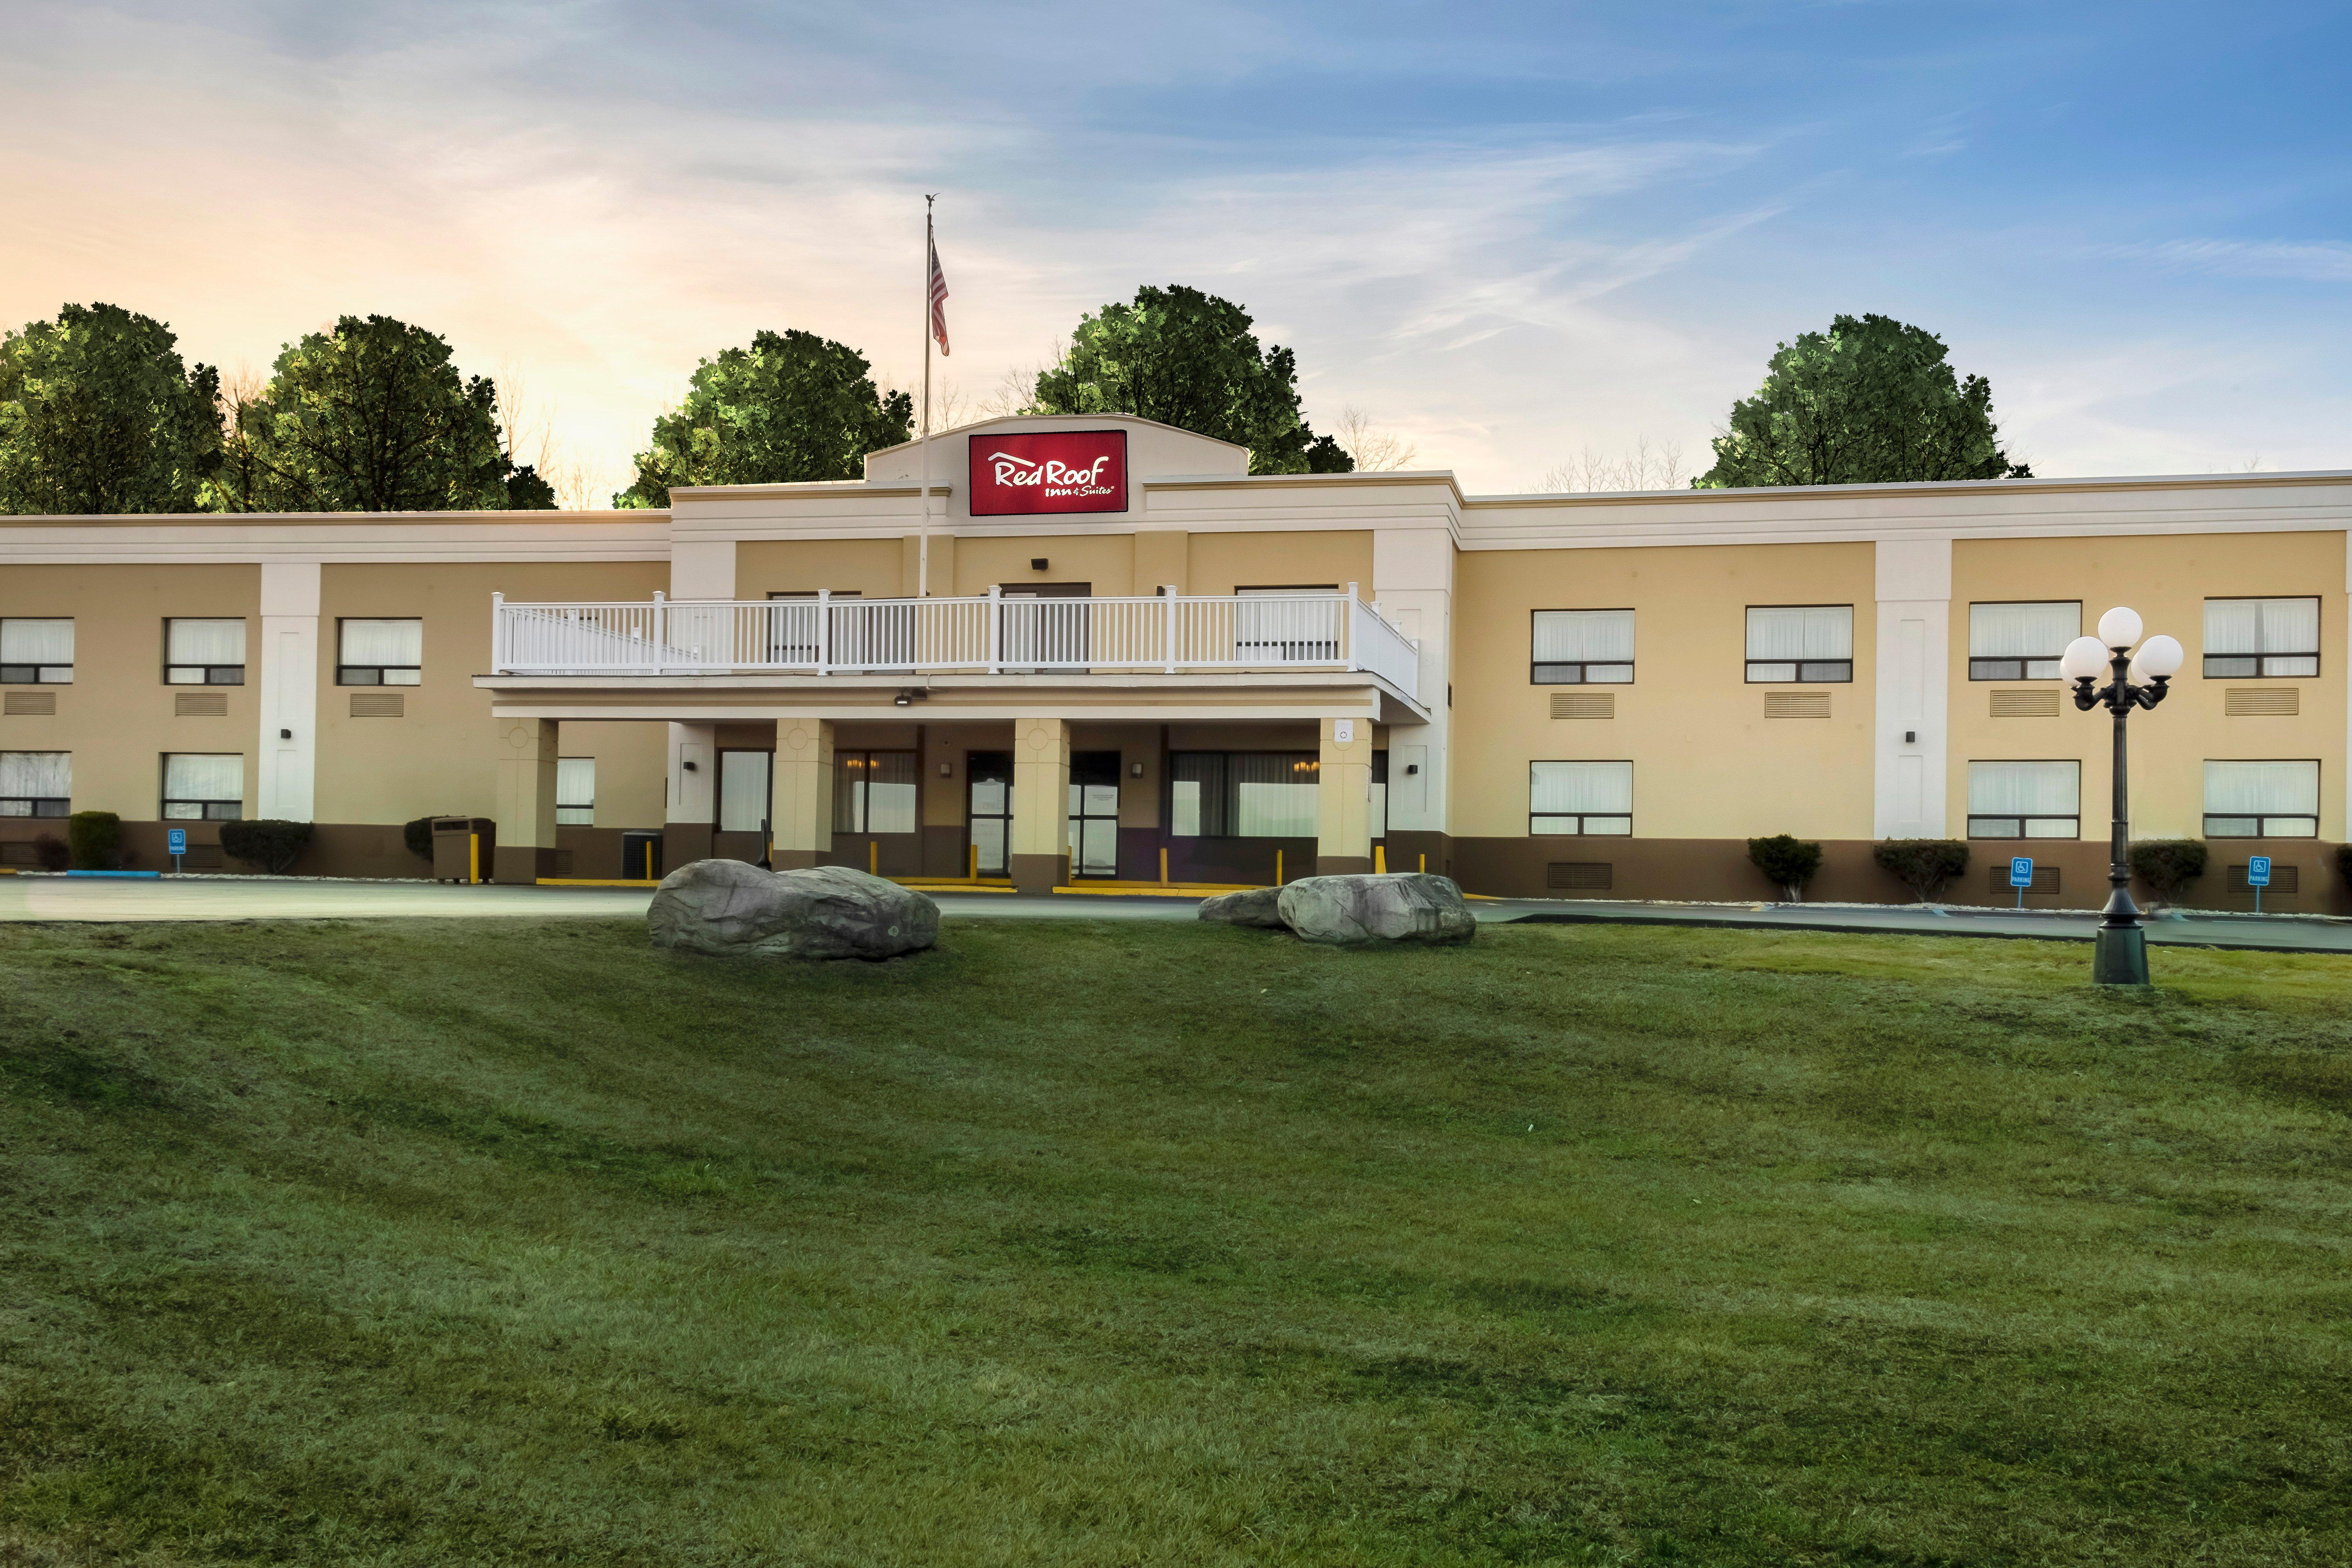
[1800,642]
[1243,794]
[575,791]
[35,784]
[2260,637]
[2021,642]
[36,653]
[204,787]
[1577,647]
[1589,798]
[2262,800]
[744,800]
[2025,800]
[204,652]
[381,653]
[873,792]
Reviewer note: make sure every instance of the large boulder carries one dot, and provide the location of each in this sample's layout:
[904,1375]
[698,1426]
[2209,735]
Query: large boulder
[1403,906]
[729,907]
[1250,906]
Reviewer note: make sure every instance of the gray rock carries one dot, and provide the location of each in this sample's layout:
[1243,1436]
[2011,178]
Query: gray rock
[1403,905]
[1250,906]
[729,908]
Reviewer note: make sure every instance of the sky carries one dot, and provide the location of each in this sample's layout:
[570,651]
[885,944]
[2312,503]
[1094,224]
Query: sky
[1520,238]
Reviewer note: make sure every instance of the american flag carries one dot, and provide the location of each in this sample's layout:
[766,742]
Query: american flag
[939,299]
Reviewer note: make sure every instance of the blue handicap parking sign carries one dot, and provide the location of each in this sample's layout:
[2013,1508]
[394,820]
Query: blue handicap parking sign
[177,838]
[2021,870]
[2258,871]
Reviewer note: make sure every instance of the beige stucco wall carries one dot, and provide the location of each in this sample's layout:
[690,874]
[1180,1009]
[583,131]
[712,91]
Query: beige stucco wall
[441,756]
[866,566]
[1219,562]
[631,769]
[1706,763]
[116,716]
[2167,581]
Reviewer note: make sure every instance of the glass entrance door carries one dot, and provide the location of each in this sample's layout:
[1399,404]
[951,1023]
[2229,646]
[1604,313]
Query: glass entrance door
[989,810]
[1094,814]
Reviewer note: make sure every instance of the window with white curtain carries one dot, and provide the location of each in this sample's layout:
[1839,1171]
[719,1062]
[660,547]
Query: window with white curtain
[1577,647]
[200,787]
[2025,800]
[1800,642]
[2021,641]
[575,791]
[1243,794]
[1589,798]
[2260,637]
[37,652]
[744,800]
[204,652]
[35,784]
[381,653]
[2262,800]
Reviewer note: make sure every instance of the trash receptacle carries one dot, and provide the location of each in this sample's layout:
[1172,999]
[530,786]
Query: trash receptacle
[641,856]
[464,848]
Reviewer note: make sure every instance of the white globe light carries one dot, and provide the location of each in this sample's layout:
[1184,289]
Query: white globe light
[2161,655]
[2119,628]
[2084,659]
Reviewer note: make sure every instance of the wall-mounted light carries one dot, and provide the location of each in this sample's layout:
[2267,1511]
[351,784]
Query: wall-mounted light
[909,696]
[947,769]
[1135,770]
[1910,737]
[285,734]
[690,765]
[1411,768]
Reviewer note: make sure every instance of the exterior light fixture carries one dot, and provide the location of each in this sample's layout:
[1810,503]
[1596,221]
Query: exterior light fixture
[1037,563]
[2139,680]
[909,696]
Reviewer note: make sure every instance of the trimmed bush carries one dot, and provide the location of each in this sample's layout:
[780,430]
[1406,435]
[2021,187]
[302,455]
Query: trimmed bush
[96,840]
[418,837]
[1926,865]
[51,852]
[2344,861]
[271,845]
[1788,863]
[2168,865]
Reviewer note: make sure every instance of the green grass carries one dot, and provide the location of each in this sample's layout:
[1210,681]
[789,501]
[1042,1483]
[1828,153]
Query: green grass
[1122,1243]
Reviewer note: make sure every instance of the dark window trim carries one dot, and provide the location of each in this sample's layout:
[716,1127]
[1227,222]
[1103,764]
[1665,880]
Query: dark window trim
[1579,817]
[33,805]
[2021,836]
[39,673]
[208,674]
[2262,661]
[840,799]
[1803,665]
[2262,821]
[2021,661]
[345,673]
[2022,817]
[1168,780]
[1536,666]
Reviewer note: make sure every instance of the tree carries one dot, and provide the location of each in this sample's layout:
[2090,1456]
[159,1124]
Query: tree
[1926,865]
[1787,862]
[792,407]
[99,415]
[1641,468]
[369,416]
[1190,360]
[1872,400]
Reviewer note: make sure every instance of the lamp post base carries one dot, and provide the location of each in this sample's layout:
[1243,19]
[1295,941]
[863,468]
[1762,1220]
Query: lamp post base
[2121,958]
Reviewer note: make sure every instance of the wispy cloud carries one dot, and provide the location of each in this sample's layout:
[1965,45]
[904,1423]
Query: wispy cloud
[2309,261]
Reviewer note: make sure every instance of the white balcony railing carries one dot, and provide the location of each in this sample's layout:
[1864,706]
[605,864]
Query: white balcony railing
[997,633]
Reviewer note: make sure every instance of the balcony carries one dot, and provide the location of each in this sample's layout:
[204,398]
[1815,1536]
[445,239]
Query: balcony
[997,633]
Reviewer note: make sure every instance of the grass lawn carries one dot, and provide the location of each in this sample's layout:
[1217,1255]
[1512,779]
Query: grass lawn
[1127,1242]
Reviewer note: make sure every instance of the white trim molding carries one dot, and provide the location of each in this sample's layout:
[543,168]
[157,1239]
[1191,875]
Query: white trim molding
[1914,659]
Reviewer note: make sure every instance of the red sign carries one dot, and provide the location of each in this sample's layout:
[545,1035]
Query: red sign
[1048,471]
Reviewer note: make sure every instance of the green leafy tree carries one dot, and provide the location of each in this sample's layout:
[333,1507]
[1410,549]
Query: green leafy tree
[1871,401]
[99,415]
[527,490]
[1190,360]
[369,416]
[792,407]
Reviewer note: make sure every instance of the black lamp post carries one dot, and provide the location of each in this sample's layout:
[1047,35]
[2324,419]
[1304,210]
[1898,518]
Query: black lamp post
[2139,680]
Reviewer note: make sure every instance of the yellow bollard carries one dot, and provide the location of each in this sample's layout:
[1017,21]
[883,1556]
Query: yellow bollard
[1164,865]
[1380,860]
[874,857]
[1278,868]
[473,856]
[975,862]
[1425,863]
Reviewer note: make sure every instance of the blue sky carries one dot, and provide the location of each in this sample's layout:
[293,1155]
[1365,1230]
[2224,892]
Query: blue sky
[1513,234]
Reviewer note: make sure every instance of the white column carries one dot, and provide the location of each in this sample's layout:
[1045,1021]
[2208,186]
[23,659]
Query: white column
[1413,577]
[1915,630]
[694,790]
[288,758]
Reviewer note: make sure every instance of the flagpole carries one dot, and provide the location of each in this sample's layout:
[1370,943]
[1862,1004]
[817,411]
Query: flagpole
[923,545]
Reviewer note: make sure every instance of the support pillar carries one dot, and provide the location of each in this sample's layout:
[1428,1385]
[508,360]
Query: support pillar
[693,815]
[1039,858]
[800,818]
[1343,799]
[526,801]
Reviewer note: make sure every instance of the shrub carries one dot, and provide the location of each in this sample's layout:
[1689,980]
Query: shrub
[2344,861]
[96,839]
[418,837]
[1926,865]
[51,852]
[273,846]
[1788,863]
[2168,865]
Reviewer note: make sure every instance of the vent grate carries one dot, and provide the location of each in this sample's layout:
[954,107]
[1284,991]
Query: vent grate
[2284,879]
[200,704]
[2024,702]
[30,705]
[2262,701]
[1584,705]
[379,705]
[1796,705]
[1581,876]
[2045,880]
